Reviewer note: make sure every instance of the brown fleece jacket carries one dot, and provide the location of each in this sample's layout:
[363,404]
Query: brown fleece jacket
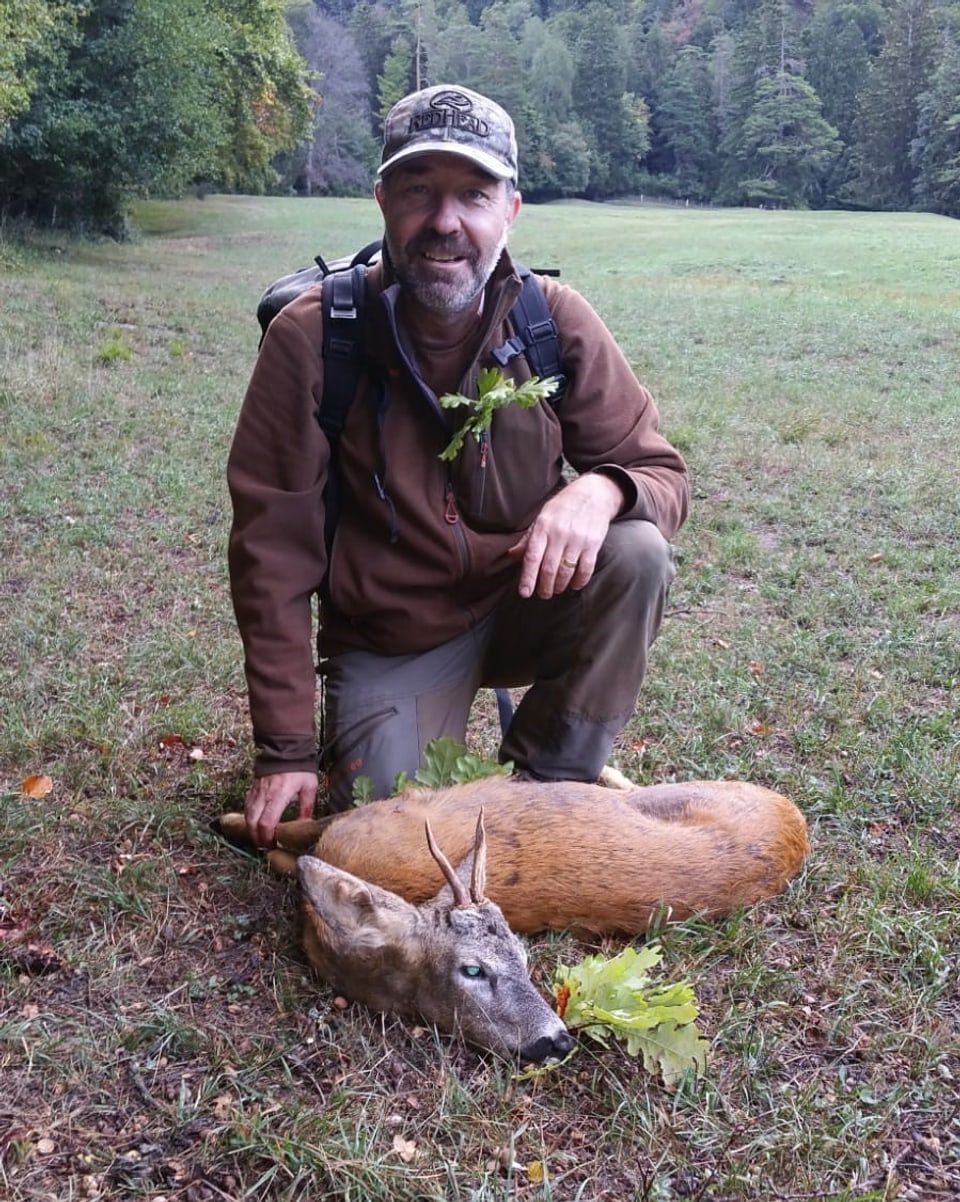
[420,551]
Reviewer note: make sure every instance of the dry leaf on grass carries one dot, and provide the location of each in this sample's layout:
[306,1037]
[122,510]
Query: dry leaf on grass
[37,785]
[406,1149]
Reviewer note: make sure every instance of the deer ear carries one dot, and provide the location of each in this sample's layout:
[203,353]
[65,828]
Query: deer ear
[354,911]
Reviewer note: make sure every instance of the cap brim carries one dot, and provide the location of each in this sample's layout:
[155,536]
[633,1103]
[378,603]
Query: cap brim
[486,162]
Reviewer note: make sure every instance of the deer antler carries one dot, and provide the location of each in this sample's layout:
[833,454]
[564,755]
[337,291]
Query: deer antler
[460,895]
[478,879]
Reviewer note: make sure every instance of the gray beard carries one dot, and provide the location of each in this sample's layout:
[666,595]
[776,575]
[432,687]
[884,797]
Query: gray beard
[446,298]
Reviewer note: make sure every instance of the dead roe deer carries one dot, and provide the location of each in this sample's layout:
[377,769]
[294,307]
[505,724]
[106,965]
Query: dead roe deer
[562,855]
[452,960]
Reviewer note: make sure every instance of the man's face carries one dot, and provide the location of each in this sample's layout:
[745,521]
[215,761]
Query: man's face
[446,222]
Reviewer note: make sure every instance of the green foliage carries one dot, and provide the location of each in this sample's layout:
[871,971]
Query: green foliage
[494,391]
[619,998]
[766,102]
[888,108]
[445,762]
[785,143]
[362,790]
[397,78]
[936,149]
[688,122]
[29,33]
[149,96]
[115,350]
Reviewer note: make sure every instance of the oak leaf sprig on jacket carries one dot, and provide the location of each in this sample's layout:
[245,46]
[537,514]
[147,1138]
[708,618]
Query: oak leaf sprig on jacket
[494,391]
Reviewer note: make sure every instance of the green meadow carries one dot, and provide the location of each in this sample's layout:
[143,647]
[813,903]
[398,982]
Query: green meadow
[160,1034]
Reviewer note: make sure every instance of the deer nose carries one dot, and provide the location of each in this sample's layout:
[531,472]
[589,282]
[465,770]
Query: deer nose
[548,1047]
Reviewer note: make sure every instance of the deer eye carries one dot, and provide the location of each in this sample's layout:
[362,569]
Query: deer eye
[472,970]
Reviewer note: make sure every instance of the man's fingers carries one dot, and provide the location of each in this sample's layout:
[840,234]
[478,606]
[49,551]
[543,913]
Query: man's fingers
[269,797]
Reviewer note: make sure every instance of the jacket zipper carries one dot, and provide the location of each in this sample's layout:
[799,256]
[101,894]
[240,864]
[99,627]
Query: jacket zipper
[388,501]
[451,515]
[484,440]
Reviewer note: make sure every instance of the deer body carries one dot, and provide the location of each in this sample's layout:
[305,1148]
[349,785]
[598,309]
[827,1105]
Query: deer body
[573,856]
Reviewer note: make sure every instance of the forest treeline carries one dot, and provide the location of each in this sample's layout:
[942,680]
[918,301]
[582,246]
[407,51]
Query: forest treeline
[794,103]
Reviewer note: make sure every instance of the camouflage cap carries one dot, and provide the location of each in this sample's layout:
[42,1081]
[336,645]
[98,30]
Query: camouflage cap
[452,120]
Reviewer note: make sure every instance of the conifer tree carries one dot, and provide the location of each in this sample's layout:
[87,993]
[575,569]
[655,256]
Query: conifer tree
[883,170]
[935,152]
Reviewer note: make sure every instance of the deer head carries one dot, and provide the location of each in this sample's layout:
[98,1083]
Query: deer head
[453,961]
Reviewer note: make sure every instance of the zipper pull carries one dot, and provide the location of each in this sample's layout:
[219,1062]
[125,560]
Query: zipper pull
[386,499]
[484,441]
[450,514]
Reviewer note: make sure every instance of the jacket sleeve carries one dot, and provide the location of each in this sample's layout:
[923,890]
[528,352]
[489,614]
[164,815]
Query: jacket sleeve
[276,471]
[610,420]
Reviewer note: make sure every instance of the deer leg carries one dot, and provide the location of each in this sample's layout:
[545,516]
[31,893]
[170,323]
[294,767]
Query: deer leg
[282,863]
[297,835]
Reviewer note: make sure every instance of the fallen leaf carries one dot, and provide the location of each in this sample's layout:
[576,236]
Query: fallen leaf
[172,741]
[406,1149]
[878,558]
[756,667]
[196,753]
[536,1171]
[758,728]
[45,1146]
[562,996]
[37,785]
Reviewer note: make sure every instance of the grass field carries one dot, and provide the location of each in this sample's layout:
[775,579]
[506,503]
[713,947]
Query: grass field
[160,1036]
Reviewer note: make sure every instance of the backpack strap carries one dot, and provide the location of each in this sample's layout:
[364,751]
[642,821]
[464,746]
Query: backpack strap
[344,299]
[537,336]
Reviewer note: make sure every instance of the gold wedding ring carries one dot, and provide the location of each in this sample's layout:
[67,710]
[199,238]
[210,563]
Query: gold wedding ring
[568,563]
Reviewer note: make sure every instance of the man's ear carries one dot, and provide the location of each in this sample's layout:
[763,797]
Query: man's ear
[378,193]
[513,209]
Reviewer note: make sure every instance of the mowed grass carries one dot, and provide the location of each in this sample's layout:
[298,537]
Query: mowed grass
[160,1036]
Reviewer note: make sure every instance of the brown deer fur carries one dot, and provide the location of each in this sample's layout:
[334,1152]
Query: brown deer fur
[567,855]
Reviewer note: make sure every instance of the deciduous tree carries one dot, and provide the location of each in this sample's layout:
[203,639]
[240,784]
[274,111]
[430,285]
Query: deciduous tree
[148,96]
[29,34]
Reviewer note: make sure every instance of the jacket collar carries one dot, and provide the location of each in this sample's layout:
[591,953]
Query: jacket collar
[503,288]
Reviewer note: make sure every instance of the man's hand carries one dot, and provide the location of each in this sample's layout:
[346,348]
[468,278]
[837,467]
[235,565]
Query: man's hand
[269,796]
[560,549]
